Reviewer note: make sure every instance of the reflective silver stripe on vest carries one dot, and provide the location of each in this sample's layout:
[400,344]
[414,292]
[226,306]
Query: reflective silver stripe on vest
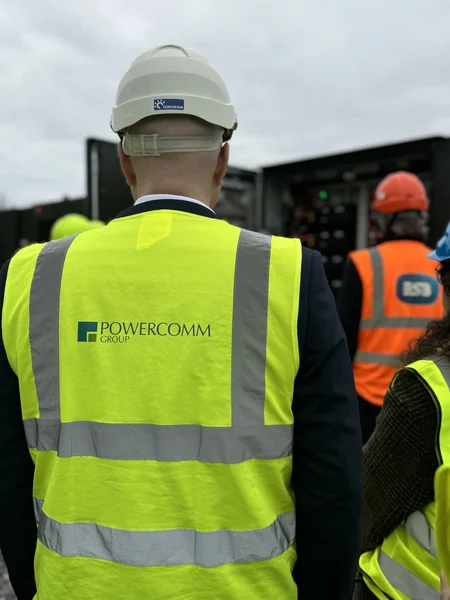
[420,530]
[378,319]
[376,358]
[250,313]
[164,443]
[443,364]
[44,325]
[378,291]
[403,580]
[396,323]
[166,548]
[248,438]
[38,504]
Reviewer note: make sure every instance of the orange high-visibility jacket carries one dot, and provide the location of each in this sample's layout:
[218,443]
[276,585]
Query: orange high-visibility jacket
[400,296]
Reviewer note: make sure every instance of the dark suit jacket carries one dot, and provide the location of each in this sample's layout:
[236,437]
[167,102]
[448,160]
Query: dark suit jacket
[327,466]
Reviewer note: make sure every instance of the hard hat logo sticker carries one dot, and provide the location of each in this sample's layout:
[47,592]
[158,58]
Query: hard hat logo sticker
[168,104]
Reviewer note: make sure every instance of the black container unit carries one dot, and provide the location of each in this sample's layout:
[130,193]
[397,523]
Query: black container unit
[324,221]
[237,203]
[325,201]
[36,222]
[107,191]
[9,234]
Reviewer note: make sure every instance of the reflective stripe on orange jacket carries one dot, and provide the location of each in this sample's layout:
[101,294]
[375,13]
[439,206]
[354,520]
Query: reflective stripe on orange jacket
[400,296]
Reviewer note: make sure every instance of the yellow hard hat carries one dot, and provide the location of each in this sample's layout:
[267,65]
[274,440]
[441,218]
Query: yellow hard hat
[96,224]
[72,224]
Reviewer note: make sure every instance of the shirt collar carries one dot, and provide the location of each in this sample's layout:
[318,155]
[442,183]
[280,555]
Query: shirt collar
[155,202]
[153,197]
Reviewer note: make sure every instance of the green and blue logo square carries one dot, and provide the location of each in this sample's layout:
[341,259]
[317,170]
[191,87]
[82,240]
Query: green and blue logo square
[87,331]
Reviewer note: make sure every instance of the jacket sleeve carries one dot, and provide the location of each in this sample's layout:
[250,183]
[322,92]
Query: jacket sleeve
[399,460]
[327,468]
[18,533]
[349,304]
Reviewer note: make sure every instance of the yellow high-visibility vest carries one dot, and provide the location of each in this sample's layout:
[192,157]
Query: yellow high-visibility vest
[406,565]
[442,487]
[156,359]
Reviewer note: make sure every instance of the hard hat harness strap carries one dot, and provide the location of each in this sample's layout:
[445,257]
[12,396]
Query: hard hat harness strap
[155,145]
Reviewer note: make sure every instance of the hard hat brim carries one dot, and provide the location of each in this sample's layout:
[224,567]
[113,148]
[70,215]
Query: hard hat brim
[395,204]
[433,255]
[211,111]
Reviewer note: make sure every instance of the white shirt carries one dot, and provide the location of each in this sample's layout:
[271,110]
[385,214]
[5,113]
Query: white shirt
[152,197]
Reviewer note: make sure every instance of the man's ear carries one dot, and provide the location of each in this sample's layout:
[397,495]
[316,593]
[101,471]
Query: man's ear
[127,167]
[222,164]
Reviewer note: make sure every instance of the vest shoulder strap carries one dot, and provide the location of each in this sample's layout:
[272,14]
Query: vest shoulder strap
[434,371]
[23,269]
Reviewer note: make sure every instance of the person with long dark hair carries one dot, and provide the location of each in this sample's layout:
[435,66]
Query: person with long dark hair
[411,440]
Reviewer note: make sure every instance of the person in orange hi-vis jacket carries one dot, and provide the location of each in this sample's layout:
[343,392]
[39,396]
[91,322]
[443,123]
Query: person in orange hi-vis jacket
[389,292]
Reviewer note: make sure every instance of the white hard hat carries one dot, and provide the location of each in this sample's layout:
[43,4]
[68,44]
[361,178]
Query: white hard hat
[171,80]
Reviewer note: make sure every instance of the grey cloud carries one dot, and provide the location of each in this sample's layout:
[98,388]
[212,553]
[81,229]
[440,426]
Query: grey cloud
[310,77]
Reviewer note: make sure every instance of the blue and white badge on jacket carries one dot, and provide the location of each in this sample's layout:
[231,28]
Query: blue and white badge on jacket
[417,288]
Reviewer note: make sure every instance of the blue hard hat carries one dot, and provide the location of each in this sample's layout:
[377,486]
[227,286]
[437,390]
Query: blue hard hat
[442,250]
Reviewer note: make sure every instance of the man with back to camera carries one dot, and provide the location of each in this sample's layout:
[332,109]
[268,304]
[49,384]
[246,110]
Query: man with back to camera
[389,292]
[176,388]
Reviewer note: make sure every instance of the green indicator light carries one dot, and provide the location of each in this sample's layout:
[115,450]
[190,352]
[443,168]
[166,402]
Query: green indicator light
[323,195]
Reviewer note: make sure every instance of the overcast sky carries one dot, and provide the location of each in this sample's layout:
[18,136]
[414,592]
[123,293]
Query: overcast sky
[308,77]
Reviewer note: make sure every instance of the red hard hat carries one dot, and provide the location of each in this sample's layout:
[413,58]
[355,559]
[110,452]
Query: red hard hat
[399,192]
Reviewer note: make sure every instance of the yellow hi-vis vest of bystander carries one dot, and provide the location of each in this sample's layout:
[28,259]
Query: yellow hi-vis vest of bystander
[406,566]
[156,359]
[442,486]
